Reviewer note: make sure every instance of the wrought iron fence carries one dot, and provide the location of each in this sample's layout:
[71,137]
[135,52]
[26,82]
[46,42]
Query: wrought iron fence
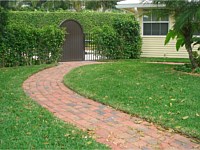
[91,52]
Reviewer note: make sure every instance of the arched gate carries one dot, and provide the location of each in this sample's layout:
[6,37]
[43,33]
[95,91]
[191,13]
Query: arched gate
[74,44]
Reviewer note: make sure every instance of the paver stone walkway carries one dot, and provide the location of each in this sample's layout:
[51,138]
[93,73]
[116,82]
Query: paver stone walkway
[109,126]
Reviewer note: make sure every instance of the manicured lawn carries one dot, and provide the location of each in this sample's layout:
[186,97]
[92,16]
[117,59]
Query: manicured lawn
[26,125]
[182,60]
[152,91]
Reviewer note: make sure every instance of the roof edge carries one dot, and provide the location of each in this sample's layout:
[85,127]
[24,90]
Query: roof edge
[140,5]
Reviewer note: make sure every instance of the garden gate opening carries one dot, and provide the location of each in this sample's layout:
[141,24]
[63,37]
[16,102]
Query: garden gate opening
[78,46]
[73,46]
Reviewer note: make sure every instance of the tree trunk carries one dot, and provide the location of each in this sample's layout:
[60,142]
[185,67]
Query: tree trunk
[191,57]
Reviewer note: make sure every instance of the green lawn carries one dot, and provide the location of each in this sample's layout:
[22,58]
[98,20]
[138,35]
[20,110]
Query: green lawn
[26,125]
[182,60]
[152,91]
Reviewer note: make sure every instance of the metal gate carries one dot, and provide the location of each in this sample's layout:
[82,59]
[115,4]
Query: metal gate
[77,45]
[91,50]
[74,44]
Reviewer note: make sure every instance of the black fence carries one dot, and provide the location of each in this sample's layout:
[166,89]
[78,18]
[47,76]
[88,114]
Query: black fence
[91,52]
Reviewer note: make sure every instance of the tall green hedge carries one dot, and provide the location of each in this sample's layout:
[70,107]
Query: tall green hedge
[122,40]
[25,45]
[35,37]
[88,20]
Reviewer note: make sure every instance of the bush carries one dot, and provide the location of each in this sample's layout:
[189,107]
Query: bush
[128,32]
[184,68]
[188,67]
[197,57]
[197,70]
[26,45]
[36,39]
[106,41]
[88,20]
[120,41]
[3,19]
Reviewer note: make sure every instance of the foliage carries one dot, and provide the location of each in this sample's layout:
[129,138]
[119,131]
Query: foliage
[26,45]
[3,21]
[128,32]
[197,70]
[196,56]
[26,125]
[54,5]
[187,23]
[120,41]
[87,19]
[4,4]
[102,4]
[50,5]
[106,42]
[152,91]
[40,42]
[187,68]
[184,68]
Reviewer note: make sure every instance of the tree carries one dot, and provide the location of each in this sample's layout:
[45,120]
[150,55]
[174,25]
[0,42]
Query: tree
[56,4]
[103,4]
[187,22]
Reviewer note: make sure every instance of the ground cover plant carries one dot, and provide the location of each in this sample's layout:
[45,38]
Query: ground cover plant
[155,92]
[26,125]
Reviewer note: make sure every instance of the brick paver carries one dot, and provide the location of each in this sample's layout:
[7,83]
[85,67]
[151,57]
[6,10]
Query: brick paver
[109,126]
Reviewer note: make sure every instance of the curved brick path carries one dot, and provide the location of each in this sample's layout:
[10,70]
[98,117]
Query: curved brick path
[114,128]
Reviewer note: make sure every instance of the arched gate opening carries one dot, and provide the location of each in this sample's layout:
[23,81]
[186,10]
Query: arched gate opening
[74,44]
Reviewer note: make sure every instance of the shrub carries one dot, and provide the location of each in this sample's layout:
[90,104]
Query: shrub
[3,19]
[120,41]
[197,70]
[40,41]
[88,20]
[106,41]
[184,68]
[26,45]
[128,32]
[197,57]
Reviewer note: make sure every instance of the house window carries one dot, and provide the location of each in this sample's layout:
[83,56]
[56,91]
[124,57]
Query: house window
[153,25]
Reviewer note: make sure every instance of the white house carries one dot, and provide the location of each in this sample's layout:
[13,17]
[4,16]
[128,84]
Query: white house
[153,30]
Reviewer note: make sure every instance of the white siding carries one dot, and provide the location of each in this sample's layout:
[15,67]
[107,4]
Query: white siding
[154,47]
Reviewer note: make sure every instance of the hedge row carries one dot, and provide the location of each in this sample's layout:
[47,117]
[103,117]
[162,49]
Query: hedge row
[122,40]
[88,20]
[26,45]
[35,37]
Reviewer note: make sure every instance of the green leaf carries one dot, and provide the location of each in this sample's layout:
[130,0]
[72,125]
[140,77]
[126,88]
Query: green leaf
[179,43]
[170,35]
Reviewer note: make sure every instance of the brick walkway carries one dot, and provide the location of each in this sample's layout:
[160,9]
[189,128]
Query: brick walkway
[108,126]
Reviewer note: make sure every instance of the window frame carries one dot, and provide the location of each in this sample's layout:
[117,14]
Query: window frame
[156,22]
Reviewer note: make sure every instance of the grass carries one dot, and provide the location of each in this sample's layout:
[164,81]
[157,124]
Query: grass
[152,91]
[26,125]
[178,60]
[156,59]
